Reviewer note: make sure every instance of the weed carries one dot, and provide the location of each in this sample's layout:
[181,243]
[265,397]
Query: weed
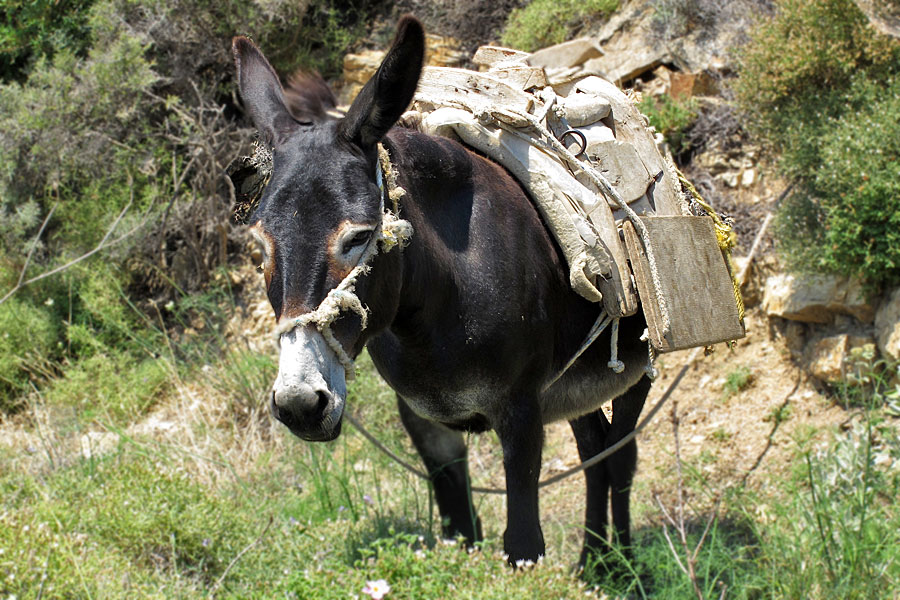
[736,381]
[868,382]
[544,23]
[721,435]
[779,414]
[672,117]
[837,536]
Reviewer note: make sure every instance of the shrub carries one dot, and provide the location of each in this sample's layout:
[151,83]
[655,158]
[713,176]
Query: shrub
[136,111]
[35,28]
[820,86]
[546,22]
[27,331]
[672,118]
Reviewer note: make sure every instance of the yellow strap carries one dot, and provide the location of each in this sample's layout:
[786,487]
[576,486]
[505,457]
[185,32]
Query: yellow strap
[725,237]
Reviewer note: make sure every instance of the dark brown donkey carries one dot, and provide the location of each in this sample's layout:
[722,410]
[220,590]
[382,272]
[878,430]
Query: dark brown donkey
[467,322]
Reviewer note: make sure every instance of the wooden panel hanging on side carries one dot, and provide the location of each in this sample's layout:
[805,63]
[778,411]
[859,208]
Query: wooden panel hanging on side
[694,281]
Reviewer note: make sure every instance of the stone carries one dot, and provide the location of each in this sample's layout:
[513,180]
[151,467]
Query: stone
[884,15]
[566,55]
[687,85]
[887,327]
[840,358]
[748,177]
[815,298]
[358,68]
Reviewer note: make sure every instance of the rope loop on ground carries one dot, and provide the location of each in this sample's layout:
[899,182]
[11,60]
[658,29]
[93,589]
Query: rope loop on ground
[550,480]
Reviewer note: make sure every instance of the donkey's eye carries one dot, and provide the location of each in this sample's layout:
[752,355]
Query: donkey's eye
[356,240]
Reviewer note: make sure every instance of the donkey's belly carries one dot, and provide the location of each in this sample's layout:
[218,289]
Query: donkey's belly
[582,392]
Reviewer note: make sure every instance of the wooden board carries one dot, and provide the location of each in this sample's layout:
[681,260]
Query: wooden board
[694,279]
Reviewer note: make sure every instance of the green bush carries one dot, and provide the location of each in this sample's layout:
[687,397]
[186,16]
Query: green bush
[29,30]
[820,86]
[546,22]
[671,117]
[27,332]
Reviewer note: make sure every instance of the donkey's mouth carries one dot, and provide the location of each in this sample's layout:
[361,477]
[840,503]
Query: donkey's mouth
[322,425]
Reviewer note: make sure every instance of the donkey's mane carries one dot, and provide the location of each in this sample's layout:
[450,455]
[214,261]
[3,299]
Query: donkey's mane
[308,96]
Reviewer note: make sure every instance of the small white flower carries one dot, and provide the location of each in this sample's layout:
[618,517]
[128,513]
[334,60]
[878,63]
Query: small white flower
[376,589]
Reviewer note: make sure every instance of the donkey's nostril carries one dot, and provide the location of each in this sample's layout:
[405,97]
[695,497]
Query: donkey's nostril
[323,403]
[300,402]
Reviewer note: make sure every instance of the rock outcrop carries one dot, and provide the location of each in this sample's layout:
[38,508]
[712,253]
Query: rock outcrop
[815,299]
[887,327]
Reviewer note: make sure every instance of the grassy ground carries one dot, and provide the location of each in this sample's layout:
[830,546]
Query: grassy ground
[198,494]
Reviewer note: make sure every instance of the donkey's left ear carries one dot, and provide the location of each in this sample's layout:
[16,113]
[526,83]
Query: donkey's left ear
[386,96]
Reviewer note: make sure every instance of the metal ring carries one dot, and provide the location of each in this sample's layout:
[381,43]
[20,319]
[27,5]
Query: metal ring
[580,136]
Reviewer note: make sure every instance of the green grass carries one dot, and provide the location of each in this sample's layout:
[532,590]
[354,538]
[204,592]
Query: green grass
[736,381]
[543,23]
[219,498]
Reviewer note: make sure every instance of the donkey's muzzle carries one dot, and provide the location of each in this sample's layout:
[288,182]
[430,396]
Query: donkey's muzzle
[309,413]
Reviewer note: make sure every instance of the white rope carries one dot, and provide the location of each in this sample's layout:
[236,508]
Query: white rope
[602,322]
[393,231]
[598,179]
[614,363]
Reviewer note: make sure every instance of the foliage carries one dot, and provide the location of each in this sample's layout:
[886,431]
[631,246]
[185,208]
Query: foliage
[543,23]
[821,87]
[28,333]
[737,380]
[36,28]
[837,534]
[127,107]
[672,117]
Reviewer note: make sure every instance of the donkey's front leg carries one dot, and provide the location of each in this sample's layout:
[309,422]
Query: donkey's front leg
[444,453]
[521,436]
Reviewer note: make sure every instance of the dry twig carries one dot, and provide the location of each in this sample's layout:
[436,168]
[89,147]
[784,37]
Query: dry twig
[678,523]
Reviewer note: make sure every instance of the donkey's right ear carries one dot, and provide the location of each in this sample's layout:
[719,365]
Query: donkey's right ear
[262,93]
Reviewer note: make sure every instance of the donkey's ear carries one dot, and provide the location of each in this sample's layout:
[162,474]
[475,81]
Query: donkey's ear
[262,93]
[385,97]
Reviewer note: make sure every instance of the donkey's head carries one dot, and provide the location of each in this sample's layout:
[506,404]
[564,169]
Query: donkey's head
[319,214]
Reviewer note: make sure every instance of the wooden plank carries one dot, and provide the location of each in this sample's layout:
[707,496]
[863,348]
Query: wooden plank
[694,280]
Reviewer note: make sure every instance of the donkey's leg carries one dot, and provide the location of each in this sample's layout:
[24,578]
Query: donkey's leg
[444,453]
[590,432]
[521,435]
[621,465]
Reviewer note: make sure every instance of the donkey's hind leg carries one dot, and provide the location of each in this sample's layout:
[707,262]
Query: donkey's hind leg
[444,453]
[611,479]
[622,464]
[590,434]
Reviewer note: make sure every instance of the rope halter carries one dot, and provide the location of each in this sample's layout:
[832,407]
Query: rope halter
[393,232]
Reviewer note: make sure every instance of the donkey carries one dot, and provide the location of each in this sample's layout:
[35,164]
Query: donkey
[467,323]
